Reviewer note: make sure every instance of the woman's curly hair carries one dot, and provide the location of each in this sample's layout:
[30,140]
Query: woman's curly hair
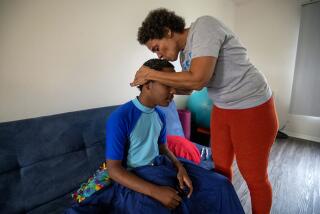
[153,27]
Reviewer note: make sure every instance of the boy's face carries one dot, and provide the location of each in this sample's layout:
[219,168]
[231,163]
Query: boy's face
[161,94]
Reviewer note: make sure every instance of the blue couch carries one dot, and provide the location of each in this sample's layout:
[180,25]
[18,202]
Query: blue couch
[43,160]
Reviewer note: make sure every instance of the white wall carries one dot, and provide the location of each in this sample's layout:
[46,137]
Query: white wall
[66,55]
[300,126]
[270,30]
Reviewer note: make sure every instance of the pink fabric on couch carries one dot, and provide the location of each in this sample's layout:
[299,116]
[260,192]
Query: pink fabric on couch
[182,147]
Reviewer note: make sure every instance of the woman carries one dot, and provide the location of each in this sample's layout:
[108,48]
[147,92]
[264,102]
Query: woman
[243,120]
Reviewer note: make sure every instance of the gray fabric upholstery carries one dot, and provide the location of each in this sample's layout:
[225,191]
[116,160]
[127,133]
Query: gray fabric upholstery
[43,159]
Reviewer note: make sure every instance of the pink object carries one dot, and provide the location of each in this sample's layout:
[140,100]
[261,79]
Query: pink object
[182,147]
[185,119]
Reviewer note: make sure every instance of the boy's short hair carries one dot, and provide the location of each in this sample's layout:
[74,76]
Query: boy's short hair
[158,65]
[153,27]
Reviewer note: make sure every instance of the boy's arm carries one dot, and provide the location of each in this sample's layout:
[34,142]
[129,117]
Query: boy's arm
[166,195]
[163,149]
[182,173]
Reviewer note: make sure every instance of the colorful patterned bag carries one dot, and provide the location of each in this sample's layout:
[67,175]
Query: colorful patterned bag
[99,180]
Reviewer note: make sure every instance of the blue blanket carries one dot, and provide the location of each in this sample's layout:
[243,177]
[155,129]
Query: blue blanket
[213,193]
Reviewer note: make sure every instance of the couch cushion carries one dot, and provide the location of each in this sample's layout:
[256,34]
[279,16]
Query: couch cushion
[56,206]
[45,158]
[172,119]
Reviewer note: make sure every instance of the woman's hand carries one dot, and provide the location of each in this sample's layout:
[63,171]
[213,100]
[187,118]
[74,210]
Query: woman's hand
[141,76]
[184,179]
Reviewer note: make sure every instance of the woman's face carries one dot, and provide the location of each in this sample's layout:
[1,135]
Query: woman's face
[165,48]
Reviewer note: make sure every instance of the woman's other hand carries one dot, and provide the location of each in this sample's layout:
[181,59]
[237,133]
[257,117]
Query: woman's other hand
[141,76]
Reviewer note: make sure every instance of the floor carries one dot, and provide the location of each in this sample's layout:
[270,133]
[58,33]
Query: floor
[294,172]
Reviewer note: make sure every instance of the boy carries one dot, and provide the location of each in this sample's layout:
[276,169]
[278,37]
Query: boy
[136,134]
[145,182]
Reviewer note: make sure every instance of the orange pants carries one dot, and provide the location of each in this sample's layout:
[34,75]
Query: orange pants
[247,135]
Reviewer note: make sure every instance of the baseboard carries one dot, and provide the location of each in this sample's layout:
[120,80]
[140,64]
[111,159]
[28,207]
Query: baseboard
[302,136]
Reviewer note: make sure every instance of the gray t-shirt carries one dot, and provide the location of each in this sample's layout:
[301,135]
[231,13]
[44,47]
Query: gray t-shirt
[236,83]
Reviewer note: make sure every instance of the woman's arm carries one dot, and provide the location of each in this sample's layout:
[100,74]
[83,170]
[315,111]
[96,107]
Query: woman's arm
[183,91]
[201,71]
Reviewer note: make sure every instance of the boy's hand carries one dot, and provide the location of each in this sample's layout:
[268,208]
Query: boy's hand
[167,196]
[184,179]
